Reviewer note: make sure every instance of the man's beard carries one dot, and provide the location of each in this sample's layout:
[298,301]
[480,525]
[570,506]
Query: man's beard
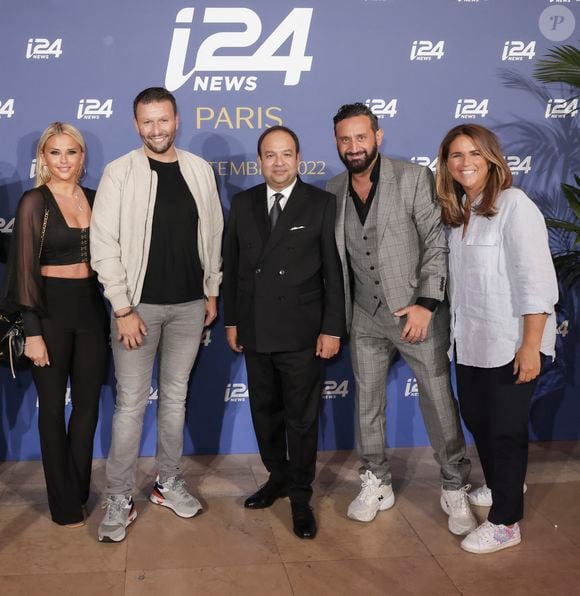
[361,163]
[159,149]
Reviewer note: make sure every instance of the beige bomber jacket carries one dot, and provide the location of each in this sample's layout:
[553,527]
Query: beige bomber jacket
[122,219]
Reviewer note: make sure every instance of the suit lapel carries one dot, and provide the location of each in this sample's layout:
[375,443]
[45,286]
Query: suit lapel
[294,207]
[386,193]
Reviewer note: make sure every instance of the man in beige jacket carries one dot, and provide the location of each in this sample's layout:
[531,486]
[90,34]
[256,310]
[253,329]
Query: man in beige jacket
[156,235]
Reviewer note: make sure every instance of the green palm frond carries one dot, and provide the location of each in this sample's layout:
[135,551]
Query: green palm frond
[562,66]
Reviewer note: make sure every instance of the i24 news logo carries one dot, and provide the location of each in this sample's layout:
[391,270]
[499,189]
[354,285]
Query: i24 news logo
[471,108]
[561,108]
[411,387]
[518,50]
[427,50]
[333,389]
[212,57]
[40,48]
[425,160]
[7,108]
[519,164]
[6,226]
[381,107]
[236,392]
[93,109]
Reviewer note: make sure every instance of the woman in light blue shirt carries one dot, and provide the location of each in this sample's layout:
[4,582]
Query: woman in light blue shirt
[502,289]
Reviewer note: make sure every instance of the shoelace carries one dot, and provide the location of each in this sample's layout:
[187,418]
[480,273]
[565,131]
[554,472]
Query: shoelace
[114,506]
[177,485]
[368,484]
[462,500]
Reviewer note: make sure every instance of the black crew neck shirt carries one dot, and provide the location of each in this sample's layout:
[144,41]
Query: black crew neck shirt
[174,274]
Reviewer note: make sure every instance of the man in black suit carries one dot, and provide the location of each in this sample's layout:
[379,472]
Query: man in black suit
[284,308]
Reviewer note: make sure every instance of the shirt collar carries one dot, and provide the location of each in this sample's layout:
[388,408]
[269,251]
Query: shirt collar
[285,191]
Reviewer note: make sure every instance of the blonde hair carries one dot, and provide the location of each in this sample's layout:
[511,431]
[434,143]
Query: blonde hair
[450,192]
[56,128]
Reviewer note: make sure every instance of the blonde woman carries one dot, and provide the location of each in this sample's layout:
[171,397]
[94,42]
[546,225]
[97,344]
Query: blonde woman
[502,291]
[50,281]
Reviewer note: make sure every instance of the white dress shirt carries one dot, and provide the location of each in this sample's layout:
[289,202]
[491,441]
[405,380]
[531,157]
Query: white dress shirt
[286,192]
[499,272]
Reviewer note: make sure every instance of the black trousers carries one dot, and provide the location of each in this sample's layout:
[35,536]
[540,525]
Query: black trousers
[285,389]
[496,412]
[76,335]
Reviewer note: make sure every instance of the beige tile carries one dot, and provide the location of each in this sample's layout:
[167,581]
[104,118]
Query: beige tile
[225,534]
[25,494]
[396,576]
[515,572]
[26,472]
[221,483]
[253,580]
[559,504]
[204,463]
[30,543]
[419,503]
[338,537]
[64,584]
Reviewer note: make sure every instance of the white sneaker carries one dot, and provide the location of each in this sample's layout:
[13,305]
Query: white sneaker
[174,495]
[481,497]
[489,538]
[456,505]
[373,497]
[120,513]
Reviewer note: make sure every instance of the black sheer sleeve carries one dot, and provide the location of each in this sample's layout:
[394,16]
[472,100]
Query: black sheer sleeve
[22,283]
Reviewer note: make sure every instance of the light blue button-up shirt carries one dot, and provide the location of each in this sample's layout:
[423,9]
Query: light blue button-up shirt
[499,272]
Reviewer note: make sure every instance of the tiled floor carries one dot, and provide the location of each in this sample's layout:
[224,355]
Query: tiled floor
[232,551]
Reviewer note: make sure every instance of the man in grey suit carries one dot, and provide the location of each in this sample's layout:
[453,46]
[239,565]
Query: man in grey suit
[394,257]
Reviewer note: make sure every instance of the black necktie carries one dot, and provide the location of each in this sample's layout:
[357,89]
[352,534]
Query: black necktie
[276,210]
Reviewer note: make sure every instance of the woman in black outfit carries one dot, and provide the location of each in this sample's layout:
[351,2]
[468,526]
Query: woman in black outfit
[49,279]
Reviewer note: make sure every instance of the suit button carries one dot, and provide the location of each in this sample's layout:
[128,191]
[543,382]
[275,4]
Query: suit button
[281,272]
[368,253]
[365,238]
[258,270]
[376,283]
[372,267]
[375,297]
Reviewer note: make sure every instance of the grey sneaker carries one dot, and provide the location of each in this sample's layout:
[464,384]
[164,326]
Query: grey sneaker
[120,513]
[174,495]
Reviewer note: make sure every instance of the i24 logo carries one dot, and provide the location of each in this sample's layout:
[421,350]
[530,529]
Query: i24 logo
[93,109]
[561,108]
[427,50]
[236,392]
[424,160]
[205,338]
[7,108]
[517,164]
[381,108]
[411,387]
[6,226]
[210,54]
[471,108]
[333,389]
[40,48]
[518,50]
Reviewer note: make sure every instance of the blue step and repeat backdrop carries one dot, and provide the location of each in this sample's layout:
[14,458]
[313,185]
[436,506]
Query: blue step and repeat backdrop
[237,67]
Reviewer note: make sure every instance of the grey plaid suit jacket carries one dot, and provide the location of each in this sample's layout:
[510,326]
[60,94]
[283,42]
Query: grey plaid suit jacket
[412,246]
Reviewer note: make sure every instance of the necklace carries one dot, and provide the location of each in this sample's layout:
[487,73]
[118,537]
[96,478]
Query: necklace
[76,199]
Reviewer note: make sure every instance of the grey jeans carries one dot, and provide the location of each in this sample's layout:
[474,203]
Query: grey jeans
[173,333]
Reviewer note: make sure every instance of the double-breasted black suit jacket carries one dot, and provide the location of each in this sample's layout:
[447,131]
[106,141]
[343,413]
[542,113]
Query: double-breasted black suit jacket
[282,289]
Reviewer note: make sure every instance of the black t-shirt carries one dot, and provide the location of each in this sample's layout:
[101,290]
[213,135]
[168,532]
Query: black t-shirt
[174,273]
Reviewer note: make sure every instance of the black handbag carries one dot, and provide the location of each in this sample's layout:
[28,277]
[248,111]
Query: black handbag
[12,338]
[12,343]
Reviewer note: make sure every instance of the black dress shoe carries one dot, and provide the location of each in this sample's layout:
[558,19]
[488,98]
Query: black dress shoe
[265,497]
[303,519]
